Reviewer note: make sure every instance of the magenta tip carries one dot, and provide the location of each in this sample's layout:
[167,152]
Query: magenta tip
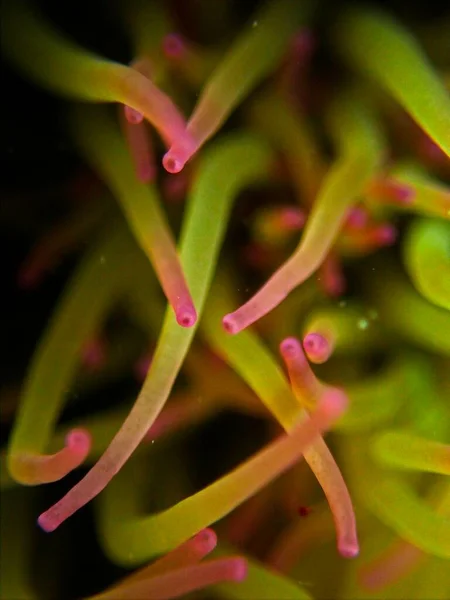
[292,218]
[357,217]
[348,549]
[290,347]
[387,234]
[317,347]
[335,402]
[230,325]
[404,193]
[207,539]
[79,441]
[173,45]
[134,117]
[186,316]
[46,523]
[171,164]
[240,570]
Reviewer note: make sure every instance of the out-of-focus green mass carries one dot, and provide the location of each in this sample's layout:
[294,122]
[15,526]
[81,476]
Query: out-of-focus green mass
[226,351]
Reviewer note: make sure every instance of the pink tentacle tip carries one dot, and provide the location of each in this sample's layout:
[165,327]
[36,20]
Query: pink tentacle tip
[239,569]
[133,116]
[334,403]
[349,549]
[357,217]
[230,325]
[404,194]
[290,348]
[172,163]
[317,347]
[186,316]
[386,234]
[206,540]
[173,46]
[291,218]
[46,523]
[78,441]
[180,152]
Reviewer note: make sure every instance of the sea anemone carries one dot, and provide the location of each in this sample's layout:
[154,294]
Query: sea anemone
[272,270]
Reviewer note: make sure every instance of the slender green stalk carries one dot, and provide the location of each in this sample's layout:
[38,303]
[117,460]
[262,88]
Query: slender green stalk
[255,54]
[427,259]
[229,166]
[359,155]
[102,143]
[376,44]
[94,288]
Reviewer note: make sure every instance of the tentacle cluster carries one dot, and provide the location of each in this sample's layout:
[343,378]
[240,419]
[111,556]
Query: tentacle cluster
[286,180]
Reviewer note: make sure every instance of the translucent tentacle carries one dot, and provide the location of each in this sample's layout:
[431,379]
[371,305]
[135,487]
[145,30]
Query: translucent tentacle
[94,287]
[404,311]
[360,148]
[102,144]
[178,582]
[261,582]
[255,54]
[51,60]
[399,507]
[430,196]
[15,538]
[404,450]
[427,259]
[291,133]
[253,362]
[230,165]
[138,539]
[377,399]
[304,382]
[376,44]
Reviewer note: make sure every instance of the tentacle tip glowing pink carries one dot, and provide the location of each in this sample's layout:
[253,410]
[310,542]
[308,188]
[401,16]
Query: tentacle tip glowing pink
[404,193]
[79,441]
[292,219]
[133,116]
[46,523]
[171,163]
[334,403]
[173,45]
[317,347]
[239,569]
[387,235]
[230,325]
[349,549]
[206,540]
[290,348]
[357,217]
[186,316]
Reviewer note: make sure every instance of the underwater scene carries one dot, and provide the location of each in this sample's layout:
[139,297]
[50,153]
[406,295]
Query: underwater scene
[226,333]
